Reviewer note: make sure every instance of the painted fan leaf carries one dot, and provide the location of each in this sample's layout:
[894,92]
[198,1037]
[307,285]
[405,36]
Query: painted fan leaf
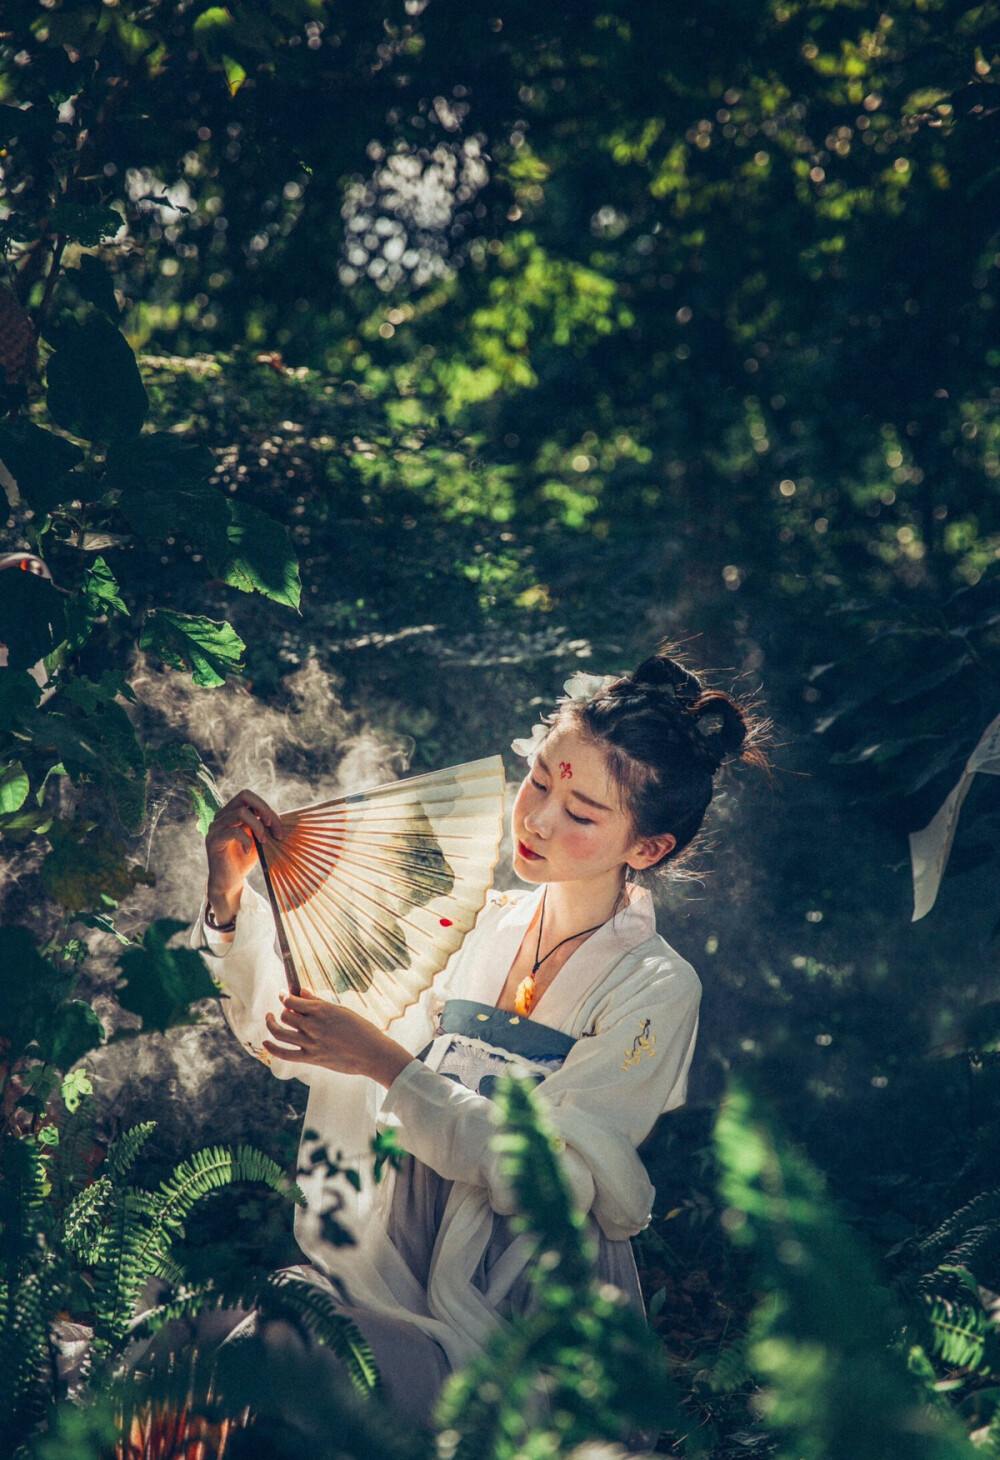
[373,892]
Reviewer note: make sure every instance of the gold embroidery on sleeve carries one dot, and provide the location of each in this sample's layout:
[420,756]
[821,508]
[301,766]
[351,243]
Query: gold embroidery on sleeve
[643,1043]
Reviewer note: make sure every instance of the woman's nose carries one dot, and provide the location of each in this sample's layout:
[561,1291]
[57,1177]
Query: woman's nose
[536,822]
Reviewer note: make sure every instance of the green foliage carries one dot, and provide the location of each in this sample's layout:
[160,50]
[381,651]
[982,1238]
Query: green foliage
[184,766]
[41,464]
[86,868]
[38,1016]
[160,983]
[106,1243]
[209,649]
[31,618]
[580,1365]
[260,557]
[822,1337]
[321,1317]
[94,387]
[669,339]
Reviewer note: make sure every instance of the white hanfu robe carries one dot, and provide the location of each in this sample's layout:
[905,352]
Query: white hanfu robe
[624,1007]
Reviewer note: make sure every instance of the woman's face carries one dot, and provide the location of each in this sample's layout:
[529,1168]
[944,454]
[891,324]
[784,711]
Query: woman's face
[569,823]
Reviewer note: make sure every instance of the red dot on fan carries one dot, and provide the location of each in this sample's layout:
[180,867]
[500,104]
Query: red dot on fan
[445,922]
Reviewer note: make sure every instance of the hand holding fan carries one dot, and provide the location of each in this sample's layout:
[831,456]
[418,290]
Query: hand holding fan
[373,892]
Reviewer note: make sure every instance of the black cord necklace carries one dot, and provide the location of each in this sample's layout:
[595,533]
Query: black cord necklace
[525,995]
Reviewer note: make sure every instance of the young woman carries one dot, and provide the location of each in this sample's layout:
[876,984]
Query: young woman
[568,982]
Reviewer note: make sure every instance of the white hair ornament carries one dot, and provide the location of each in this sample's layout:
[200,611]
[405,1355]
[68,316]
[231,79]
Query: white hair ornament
[579,686]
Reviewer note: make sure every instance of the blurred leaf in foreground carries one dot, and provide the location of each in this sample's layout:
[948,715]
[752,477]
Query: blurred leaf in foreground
[822,1338]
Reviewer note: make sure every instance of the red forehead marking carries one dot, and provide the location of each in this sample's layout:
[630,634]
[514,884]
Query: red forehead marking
[565,770]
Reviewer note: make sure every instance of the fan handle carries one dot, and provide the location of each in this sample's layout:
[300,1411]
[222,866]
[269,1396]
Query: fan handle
[291,972]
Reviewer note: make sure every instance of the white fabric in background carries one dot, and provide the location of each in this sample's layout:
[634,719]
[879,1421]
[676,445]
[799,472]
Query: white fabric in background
[929,848]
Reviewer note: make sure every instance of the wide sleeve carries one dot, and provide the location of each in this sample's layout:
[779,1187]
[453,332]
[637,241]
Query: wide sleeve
[252,976]
[602,1103]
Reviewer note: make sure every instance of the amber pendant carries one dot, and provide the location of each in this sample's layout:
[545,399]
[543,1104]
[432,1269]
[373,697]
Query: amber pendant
[525,995]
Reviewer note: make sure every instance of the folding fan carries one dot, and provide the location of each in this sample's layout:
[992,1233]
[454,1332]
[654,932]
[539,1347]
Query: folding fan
[372,893]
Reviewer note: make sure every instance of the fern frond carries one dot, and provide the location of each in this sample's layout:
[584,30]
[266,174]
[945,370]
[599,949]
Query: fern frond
[982,1211]
[320,1313]
[122,1153]
[978,1254]
[962,1335]
[22,1195]
[121,1266]
[85,1216]
[71,1161]
[135,1243]
[206,1171]
[186,1301]
[26,1363]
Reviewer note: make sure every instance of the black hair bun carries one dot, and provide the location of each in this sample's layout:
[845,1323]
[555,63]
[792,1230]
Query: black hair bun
[720,724]
[659,671]
[714,723]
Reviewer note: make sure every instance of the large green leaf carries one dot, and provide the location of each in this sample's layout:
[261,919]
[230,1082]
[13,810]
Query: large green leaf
[39,462]
[31,617]
[162,481]
[100,588]
[14,786]
[94,387]
[98,597]
[71,1033]
[157,461]
[199,513]
[210,649]
[160,983]
[90,693]
[261,558]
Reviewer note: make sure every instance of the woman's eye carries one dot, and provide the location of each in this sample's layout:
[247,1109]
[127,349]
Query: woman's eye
[537,784]
[582,820]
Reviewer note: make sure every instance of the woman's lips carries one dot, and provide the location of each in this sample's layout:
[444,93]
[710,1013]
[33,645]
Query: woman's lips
[528,854]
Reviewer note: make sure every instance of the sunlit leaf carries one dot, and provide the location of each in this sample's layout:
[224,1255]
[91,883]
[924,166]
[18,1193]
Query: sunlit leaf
[99,595]
[14,787]
[75,1085]
[211,650]
[261,559]
[235,74]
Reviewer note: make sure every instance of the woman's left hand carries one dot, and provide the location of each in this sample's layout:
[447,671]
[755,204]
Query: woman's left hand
[314,1032]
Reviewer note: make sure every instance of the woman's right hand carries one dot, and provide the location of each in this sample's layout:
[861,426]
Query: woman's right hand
[230,849]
